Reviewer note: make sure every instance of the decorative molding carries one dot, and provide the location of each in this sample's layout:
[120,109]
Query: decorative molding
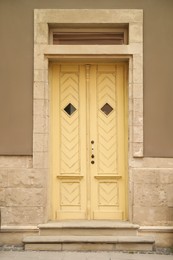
[156,229]
[14,229]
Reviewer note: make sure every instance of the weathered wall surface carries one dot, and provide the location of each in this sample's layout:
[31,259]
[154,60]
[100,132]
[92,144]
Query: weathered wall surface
[152,196]
[22,191]
[16,68]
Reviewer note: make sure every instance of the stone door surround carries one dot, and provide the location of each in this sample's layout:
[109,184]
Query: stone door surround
[43,51]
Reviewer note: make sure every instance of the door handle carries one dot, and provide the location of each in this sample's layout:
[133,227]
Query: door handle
[92,152]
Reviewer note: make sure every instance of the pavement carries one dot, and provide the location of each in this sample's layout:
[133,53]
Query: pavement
[21,255]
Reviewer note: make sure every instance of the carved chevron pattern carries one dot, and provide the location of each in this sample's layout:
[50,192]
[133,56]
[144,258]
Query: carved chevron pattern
[107,136]
[70,193]
[108,193]
[69,124]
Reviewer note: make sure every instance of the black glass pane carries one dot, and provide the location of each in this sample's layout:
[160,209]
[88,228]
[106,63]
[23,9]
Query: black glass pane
[70,109]
[107,109]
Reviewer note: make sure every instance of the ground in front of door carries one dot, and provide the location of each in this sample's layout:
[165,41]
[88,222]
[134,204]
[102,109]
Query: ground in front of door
[21,255]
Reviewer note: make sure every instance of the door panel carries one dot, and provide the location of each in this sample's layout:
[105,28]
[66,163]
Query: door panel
[107,175]
[68,143]
[106,120]
[88,141]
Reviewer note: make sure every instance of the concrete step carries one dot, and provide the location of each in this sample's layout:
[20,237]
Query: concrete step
[84,243]
[88,228]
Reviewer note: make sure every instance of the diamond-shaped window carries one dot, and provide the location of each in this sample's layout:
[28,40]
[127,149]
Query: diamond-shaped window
[107,109]
[70,109]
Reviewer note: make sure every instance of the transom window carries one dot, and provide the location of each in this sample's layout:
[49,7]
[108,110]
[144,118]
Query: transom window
[89,36]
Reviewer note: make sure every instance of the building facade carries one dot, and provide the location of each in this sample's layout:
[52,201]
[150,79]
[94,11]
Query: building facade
[86,129]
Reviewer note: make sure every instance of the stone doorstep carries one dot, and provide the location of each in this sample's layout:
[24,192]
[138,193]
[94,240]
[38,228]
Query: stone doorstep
[89,224]
[88,239]
[88,243]
[88,228]
[88,235]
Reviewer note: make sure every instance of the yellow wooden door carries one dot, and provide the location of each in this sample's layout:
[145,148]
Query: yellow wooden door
[88,141]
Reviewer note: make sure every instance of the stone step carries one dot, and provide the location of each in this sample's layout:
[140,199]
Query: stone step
[84,243]
[88,228]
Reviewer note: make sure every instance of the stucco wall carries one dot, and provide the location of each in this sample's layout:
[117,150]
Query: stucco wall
[16,67]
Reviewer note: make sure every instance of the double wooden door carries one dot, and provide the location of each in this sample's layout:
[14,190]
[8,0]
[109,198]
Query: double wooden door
[88,141]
